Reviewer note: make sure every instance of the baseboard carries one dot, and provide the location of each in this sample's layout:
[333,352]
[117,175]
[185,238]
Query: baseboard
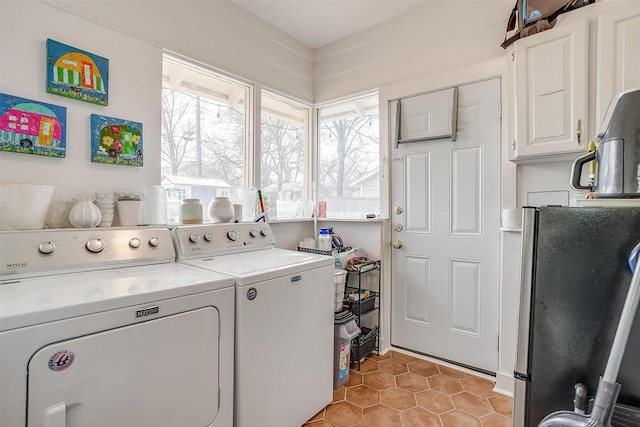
[504,384]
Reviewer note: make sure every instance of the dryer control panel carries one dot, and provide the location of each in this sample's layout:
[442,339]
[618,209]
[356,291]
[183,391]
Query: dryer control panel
[197,241]
[31,253]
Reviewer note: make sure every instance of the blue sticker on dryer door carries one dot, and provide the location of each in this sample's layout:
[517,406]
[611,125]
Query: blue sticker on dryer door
[61,360]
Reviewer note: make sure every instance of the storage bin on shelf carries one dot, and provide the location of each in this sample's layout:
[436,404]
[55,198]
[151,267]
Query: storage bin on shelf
[364,345]
[363,302]
[322,252]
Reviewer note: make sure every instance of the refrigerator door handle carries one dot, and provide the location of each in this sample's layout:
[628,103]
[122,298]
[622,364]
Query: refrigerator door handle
[529,216]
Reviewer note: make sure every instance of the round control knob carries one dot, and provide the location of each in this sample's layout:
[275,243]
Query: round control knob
[46,248]
[264,232]
[194,238]
[233,235]
[208,236]
[253,233]
[154,242]
[134,243]
[95,245]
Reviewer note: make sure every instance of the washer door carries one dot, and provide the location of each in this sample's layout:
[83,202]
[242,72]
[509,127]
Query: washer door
[162,372]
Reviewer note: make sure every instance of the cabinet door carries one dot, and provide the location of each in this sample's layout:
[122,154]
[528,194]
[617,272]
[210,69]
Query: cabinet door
[551,77]
[618,61]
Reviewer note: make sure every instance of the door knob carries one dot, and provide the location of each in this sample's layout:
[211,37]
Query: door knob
[397,244]
[398,210]
[397,227]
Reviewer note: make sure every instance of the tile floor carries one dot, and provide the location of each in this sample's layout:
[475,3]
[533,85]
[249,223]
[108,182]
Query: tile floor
[399,390]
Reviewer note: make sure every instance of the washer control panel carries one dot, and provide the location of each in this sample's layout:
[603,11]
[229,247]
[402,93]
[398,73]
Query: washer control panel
[197,241]
[30,253]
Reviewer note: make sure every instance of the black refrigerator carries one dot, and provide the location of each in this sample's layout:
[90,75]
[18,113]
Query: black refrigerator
[574,281]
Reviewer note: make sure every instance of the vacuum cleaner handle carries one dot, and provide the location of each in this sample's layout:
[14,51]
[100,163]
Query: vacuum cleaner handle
[626,320]
[634,258]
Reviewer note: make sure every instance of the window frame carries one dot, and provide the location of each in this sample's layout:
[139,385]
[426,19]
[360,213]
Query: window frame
[252,147]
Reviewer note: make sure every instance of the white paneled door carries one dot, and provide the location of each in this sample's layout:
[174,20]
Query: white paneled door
[445,219]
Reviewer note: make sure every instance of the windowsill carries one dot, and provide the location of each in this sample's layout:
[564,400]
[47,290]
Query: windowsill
[280,221]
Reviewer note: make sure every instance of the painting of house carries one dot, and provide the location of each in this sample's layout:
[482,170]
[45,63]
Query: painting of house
[32,127]
[77,74]
[116,141]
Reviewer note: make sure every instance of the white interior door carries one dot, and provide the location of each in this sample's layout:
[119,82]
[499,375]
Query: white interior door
[445,212]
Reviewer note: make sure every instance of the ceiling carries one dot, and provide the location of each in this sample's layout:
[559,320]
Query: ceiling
[316,23]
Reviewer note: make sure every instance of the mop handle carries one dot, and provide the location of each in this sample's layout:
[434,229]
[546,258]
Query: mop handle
[626,321]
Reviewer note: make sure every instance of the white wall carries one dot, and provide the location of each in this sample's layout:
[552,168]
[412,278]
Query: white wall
[134,94]
[442,36]
[218,33]
[132,35]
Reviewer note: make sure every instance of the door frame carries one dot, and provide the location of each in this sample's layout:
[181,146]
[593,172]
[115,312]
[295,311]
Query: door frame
[482,70]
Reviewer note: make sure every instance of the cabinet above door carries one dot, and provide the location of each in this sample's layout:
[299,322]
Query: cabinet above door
[551,92]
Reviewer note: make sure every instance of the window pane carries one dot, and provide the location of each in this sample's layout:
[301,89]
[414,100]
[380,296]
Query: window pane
[204,123]
[349,158]
[284,130]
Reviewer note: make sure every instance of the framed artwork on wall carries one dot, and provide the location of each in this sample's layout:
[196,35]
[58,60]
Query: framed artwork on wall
[77,74]
[32,127]
[116,141]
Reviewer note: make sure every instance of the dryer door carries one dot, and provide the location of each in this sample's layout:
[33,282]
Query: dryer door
[162,372]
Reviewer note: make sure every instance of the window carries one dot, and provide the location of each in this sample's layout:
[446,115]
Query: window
[349,157]
[283,144]
[208,144]
[204,130]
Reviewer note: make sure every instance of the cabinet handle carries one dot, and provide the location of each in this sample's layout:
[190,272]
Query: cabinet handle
[579,131]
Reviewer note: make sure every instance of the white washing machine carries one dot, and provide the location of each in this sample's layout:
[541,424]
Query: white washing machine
[101,327]
[284,320]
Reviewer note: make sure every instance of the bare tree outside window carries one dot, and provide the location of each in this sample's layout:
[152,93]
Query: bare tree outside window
[283,140]
[349,158]
[203,132]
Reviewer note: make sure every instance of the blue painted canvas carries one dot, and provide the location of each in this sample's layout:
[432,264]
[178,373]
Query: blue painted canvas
[116,141]
[32,127]
[77,74]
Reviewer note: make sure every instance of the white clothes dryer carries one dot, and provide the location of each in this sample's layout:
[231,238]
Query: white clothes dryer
[284,320]
[101,327]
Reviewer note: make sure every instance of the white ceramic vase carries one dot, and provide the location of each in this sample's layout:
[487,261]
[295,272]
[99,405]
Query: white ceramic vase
[84,214]
[220,210]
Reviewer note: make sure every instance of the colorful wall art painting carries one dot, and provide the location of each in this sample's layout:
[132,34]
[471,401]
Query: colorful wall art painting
[77,74]
[116,141]
[32,127]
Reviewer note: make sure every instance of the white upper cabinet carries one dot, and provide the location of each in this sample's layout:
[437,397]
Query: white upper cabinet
[563,80]
[618,59]
[551,90]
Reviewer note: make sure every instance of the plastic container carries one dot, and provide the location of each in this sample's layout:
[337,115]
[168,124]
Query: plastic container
[345,330]
[191,211]
[173,206]
[340,280]
[154,205]
[324,239]
[24,206]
